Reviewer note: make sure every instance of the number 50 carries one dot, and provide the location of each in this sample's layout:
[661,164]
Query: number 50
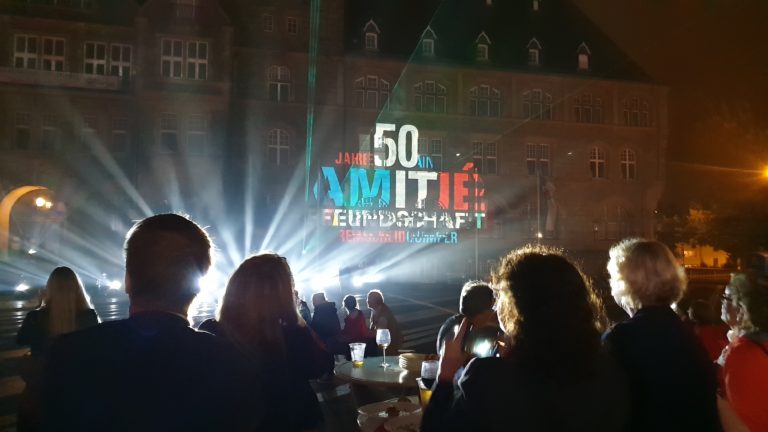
[396,151]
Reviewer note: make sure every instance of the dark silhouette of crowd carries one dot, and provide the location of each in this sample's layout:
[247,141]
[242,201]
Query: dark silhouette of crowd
[532,350]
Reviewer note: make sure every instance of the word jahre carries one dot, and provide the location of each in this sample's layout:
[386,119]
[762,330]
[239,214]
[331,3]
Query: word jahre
[361,158]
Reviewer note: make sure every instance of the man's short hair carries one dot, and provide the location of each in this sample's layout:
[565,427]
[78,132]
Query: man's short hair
[165,257]
[476,297]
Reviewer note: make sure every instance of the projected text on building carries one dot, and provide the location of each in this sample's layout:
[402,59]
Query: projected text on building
[392,195]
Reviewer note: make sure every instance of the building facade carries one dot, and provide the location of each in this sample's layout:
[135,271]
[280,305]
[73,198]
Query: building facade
[230,109]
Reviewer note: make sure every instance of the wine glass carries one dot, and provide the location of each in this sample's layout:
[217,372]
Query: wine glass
[383,338]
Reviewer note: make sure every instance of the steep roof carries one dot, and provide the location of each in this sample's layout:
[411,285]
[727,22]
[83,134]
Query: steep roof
[558,25]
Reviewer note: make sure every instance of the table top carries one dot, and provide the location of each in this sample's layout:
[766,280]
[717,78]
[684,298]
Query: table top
[372,374]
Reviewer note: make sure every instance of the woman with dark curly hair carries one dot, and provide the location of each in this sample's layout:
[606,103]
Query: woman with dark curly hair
[554,375]
[672,380]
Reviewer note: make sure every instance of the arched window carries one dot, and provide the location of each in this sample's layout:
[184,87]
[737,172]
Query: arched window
[537,104]
[597,162]
[371,92]
[279,83]
[628,164]
[636,112]
[429,97]
[587,109]
[534,53]
[484,101]
[278,147]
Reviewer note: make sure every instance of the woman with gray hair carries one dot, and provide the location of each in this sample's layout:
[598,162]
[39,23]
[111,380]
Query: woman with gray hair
[672,382]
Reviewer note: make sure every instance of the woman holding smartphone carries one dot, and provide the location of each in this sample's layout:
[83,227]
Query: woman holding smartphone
[554,375]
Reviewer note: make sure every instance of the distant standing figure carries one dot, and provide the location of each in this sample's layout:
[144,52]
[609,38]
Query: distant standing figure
[355,328]
[672,381]
[65,308]
[258,315]
[325,322]
[302,307]
[383,318]
[151,371]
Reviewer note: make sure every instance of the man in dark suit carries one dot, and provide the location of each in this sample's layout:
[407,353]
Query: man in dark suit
[152,372]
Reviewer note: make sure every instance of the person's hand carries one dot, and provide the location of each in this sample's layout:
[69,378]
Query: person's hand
[486,318]
[452,358]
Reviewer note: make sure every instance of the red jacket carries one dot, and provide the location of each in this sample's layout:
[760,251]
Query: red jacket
[713,337]
[355,327]
[745,375]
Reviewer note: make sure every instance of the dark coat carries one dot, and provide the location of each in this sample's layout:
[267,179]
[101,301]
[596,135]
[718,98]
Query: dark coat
[292,405]
[497,394]
[150,372]
[34,329]
[325,321]
[672,382]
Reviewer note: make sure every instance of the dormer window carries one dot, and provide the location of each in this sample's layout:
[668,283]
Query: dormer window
[583,54]
[428,43]
[481,47]
[534,53]
[184,8]
[371,41]
[371,33]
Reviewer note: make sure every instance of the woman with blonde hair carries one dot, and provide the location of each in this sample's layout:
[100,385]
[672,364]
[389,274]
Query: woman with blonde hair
[672,381]
[65,308]
[258,316]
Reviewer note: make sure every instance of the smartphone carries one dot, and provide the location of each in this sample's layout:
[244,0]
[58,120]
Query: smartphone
[482,342]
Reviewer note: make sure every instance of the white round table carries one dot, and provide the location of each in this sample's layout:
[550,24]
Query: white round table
[373,375]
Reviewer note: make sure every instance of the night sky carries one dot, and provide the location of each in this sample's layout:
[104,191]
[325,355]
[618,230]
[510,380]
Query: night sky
[713,56]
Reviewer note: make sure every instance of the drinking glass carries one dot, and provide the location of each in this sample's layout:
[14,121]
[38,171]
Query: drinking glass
[357,352]
[383,338]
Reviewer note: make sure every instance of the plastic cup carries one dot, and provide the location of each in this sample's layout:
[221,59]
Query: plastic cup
[357,350]
[425,390]
[429,369]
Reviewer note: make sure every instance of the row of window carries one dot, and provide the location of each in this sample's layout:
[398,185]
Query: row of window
[195,131]
[179,59]
[371,35]
[188,59]
[291,24]
[372,92]
[51,133]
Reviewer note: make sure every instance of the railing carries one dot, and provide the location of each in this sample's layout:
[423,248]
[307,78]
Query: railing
[59,79]
[705,274]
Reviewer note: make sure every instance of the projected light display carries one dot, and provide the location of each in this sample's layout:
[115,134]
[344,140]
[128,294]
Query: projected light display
[392,195]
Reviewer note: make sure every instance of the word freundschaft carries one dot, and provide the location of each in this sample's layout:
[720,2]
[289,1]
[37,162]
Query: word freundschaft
[402,219]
